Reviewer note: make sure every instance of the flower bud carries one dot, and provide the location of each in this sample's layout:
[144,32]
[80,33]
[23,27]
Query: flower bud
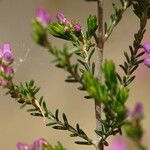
[22,146]
[9,70]
[60,17]
[147,62]
[77,27]
[4,82]
[138,110]
[147,48]
[43,16]
[6,53]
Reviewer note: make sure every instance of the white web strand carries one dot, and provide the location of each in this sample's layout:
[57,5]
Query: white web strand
[21,60]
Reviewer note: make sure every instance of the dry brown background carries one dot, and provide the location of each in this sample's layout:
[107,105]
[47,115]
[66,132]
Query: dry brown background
[17,125]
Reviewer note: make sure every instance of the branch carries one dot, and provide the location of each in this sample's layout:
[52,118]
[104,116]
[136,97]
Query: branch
[132,62]
[25,94]
[115,19]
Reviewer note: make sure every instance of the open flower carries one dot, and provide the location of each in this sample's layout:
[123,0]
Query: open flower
[118,145]
[6,54]
[43,16]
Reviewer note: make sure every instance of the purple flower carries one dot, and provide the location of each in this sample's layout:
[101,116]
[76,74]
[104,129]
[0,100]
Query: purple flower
[138,109]
[147,48]
[4,82]
[38,143]
[118,145]
[43,16]
[60,17]
[22,146]
[147,62]
[6,54]
[9,70]
[77,27]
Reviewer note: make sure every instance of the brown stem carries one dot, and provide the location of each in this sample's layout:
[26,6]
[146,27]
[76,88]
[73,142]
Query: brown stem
[100,45]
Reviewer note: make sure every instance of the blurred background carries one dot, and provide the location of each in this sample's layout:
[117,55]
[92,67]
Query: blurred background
[34,62]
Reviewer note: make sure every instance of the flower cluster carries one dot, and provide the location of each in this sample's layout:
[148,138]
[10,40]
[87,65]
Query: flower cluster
[63,28]
[147,50]
[44,18]
[36,145]
[6,59]
[69,25]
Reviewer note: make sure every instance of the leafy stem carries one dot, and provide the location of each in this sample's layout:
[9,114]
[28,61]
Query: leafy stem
[26,95]
[115,18]
[132,62]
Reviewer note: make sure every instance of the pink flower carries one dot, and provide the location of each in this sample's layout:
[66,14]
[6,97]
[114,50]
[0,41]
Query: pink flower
[77,27]
[22,146]
[118,145]
[147,62]
[38,144]
[43,16]
[9,70]
[147,48]
[138,110]
[5,53]
[60,17]
[4,82]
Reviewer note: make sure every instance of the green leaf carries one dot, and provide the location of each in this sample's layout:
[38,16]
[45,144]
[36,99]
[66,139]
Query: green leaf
[73,135]
[122,95]
[94,88]
[51,123]
[91,26]
[31,83]
[59,127]
[110,76]
[65,119]
[36,114]
[39,34]
[56,115]
[59,146]
[83,143]
[58,30]
[23,105]
[45,108]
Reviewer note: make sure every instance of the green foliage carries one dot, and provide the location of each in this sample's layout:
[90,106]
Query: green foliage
[59,146]
[123,2]
[40,34]
[58,30]
[110,76]
[94,88]
[91,26]
[64,125]
[141,8]
[113,21]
